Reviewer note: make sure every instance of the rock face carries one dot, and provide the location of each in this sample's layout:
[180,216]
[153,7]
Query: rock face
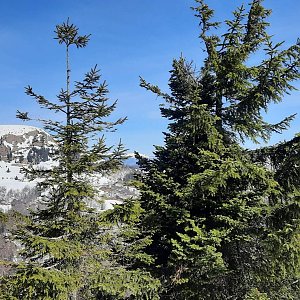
[24,144]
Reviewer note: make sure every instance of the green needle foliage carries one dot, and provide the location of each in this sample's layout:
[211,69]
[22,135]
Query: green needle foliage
[68,249]
[223,220]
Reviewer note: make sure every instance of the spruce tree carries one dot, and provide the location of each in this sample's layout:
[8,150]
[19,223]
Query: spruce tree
[223,219]
[69,250]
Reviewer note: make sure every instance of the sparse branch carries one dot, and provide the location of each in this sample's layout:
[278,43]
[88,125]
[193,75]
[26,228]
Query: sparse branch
[67,34]
[43,102]
[205,14]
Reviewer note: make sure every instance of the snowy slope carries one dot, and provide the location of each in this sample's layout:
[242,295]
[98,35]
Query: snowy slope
[17,129]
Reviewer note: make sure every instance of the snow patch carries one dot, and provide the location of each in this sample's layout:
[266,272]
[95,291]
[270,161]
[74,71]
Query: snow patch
[17,129]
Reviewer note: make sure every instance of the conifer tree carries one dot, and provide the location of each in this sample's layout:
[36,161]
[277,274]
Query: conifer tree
[68,249]
[224,220]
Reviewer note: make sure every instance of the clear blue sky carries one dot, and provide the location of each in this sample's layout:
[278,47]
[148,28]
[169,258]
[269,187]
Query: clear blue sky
[129,38]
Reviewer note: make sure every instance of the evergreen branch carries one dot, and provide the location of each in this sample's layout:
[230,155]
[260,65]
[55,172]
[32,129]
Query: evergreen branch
[23,116]
[43,102]
[205,14]
[155,89]
[256,26]
[67,34]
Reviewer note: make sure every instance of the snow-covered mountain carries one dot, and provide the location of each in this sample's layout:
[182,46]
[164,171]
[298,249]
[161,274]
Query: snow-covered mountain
[24,144]
[21,145]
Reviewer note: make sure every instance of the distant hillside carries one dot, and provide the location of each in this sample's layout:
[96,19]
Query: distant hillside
[22,145]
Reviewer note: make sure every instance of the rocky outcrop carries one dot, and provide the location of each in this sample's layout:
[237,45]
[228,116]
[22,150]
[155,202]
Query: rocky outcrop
[24,144]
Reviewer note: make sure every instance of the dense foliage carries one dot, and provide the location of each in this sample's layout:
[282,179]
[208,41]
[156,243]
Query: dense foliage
[224,220]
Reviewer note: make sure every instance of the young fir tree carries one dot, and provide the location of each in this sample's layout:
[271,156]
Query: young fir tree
[69,251]
[224,220]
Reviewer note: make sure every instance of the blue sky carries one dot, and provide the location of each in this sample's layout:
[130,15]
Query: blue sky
[129,39]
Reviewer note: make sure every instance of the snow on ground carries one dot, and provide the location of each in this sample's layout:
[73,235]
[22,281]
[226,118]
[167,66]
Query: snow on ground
[109,204]
[46,165]
[10,184]
[11,177]
[5,207]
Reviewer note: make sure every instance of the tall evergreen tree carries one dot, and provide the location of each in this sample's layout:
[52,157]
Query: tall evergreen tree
[68,249]
[224,220]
